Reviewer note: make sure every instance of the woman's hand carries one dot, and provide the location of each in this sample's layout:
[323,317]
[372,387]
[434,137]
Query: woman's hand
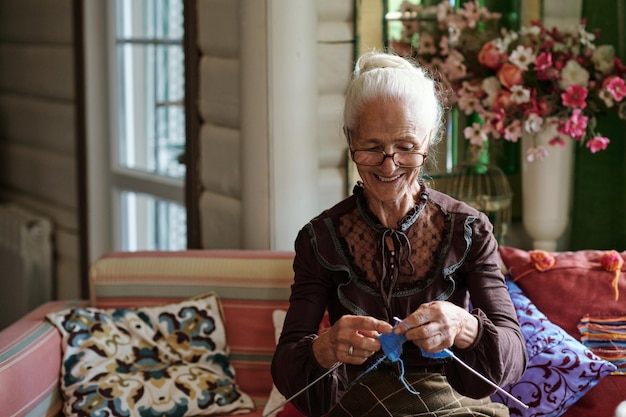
[352,339]
[439,325]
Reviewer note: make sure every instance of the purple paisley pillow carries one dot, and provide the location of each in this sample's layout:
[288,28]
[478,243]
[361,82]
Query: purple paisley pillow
[560,369]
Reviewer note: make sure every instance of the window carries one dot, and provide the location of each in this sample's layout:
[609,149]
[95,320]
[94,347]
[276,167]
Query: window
[148,133]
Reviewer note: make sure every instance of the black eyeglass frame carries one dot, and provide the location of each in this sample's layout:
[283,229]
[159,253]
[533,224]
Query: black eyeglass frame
[388,155]
[346,131]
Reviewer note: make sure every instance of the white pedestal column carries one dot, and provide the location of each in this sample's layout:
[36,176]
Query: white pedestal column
[547,190]
[279,121]
[293,96]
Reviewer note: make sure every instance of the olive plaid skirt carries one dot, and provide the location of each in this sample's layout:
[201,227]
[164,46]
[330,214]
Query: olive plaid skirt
[380,393]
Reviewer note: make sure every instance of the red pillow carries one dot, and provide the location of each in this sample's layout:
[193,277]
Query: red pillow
[566,286]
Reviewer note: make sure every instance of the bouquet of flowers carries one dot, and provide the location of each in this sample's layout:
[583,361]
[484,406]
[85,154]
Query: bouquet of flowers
[533,80]
[544,80]
[446,40]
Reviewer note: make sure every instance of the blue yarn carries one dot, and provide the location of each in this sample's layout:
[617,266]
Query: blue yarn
[392,346]
[442,354]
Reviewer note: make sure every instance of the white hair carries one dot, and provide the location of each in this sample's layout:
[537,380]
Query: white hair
[388,76]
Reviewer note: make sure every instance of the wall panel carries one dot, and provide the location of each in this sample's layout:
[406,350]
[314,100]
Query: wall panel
[38,163]
[221,171]
[46,175]
[40,123]
[36,21]
[37,70]
[219,90]
[223,225]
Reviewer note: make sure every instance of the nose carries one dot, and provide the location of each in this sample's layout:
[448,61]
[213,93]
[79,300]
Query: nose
[389,163]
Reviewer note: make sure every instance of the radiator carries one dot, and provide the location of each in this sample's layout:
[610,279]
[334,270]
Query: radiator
[25,262]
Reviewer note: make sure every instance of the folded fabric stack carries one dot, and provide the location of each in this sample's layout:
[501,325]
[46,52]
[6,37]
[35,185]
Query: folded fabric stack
[606,337]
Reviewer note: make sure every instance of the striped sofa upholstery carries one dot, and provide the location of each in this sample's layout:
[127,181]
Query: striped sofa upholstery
[250,285]
[30,364]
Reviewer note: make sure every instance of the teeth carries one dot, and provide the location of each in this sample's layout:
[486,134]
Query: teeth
[384,179]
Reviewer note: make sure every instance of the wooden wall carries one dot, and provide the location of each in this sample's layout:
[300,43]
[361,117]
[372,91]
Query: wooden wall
[38,123]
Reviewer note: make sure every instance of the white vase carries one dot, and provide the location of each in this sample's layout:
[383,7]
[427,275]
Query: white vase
[547,189]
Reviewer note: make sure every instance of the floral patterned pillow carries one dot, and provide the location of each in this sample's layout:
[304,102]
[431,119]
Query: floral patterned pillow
[169,360]
[560,369]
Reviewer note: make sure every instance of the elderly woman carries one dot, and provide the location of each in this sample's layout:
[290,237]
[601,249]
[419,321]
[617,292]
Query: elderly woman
[397,249]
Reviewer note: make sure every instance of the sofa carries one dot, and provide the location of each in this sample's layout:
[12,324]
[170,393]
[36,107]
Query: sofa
[244,290]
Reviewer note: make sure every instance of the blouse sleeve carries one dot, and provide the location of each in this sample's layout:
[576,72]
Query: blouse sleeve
[499,352]
[294,365]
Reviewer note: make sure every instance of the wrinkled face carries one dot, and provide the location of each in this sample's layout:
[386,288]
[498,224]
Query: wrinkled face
[389,126]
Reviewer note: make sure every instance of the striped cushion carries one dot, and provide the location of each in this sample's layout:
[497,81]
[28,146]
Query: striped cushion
[30,364]
[250,284]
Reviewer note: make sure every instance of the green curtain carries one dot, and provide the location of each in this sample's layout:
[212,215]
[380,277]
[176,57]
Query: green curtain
[599,200]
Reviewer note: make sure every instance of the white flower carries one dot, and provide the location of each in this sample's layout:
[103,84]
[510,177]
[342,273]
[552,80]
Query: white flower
[530,31]
[475,134]
[503,42]
[490,86]
[586,38]
[603,58]
[573,74]
[522,57]
[520,94]
[454,34]
[534,123]
[606,96]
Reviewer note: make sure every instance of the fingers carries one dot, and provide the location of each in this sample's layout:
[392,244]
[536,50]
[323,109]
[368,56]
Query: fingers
[355,338]
[434,326]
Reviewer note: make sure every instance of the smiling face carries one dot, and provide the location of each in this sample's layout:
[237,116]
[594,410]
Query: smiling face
[390,126]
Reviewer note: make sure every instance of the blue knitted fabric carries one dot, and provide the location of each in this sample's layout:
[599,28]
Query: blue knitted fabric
[392,346]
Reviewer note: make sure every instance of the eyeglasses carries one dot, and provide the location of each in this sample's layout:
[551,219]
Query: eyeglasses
[403,159]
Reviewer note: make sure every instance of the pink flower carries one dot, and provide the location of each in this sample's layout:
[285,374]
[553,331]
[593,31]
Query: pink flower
[543,61]
[616,86]
[557,141]
[575,96]
[536,154]
[475,134]
[427,44]
[493,123]
[454,66]
[598,143]
[471,12]
[513,131]
[575,126]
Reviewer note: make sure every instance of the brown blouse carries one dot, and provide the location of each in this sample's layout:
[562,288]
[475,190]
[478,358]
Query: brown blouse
[347,262]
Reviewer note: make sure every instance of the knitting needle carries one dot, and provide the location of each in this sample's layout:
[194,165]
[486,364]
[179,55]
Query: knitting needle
[449,353]
[335,366]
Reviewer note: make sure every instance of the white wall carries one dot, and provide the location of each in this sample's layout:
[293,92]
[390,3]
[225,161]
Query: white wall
[272,78]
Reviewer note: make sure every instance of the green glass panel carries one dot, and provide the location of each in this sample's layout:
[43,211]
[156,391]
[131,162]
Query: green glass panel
[599,200]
